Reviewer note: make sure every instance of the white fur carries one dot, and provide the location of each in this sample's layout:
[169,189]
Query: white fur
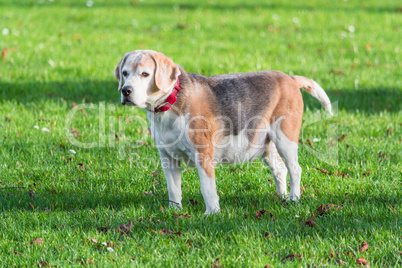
[321,96]
[288,152]
[208,190]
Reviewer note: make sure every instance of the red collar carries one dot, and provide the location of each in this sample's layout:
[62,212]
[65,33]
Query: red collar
[170,100]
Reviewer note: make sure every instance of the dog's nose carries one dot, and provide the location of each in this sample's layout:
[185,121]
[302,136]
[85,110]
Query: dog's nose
[126,90]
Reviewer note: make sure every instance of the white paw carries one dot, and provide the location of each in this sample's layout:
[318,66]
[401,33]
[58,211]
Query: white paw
[294,198]
[175,206]
[210,211]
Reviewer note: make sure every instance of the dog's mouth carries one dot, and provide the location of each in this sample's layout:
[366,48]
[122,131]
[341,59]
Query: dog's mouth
[127,101]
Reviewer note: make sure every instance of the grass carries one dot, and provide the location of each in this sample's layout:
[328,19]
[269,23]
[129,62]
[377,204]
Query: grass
[62,53]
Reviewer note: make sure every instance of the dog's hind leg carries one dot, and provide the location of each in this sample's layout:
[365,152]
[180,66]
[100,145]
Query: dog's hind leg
[287,148]
[274,161]
[171,168]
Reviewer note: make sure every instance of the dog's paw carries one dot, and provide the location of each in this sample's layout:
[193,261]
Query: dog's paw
[175,206]
[210,211]
[293,198]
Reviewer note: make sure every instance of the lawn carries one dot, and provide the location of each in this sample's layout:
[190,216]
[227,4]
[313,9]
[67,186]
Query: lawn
[75,165]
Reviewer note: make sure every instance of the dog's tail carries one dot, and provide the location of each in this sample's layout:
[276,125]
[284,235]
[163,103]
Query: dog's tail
[314,89]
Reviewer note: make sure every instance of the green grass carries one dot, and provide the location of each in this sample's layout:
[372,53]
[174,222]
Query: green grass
[62,52]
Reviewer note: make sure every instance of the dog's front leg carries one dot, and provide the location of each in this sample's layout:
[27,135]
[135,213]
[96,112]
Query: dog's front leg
[206,171]
[172,170]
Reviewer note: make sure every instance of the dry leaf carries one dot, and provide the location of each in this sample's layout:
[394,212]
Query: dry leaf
[367,172]
[215,263]
[193,202]
[363,262]
[153,231]
[310,142]
[168,231]
[124,228]
[184,215]
[342,138]
[309,223]
[38,241]
[364,246]
[43,264]
[259,213]
[321,210]
[340,262]
[31,193]
[292,256]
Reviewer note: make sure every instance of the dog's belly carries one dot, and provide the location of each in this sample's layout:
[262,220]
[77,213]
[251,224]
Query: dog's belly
[236,149]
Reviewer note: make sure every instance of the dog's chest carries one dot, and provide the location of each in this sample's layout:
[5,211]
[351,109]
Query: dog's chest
[170,134]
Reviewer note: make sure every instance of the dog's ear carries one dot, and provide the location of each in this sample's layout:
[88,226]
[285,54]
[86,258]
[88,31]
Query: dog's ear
[117,71]
[166,72]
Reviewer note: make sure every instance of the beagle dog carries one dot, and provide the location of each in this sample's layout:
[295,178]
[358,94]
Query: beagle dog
[230,118]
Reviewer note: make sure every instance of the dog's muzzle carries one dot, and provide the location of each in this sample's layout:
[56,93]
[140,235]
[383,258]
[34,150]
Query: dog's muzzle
[126,91]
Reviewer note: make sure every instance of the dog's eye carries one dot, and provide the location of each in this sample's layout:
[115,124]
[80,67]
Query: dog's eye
[144,74]
[125,73]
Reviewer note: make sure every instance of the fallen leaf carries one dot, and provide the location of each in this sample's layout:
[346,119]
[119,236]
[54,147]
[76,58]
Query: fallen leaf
[340,262]
[292,256]
[331,254]
[235,170]
[38,241]
[342,138]
[17,253]
[309,223]
[310,142]
[266,266]
[364,246]
[81,166]
[94,241]
[104,229]
[259,213]
[148,193]
[383,155]
[341,174]
[155,173]
[31,193]
[124,228]
[153,231]
[215,263]
[330,173]
[389,131]
[168,231]
[321,210]
[267,235]
[367,172]
[337,71]
[184,215]
[43,264]
[193,202]
[363,262]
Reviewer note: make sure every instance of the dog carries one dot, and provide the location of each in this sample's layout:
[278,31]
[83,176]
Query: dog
[230,118]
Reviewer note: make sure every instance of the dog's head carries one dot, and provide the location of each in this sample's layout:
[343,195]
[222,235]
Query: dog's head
[145,76]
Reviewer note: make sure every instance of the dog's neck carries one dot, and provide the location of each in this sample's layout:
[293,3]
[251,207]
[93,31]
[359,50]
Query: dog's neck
[170,100]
